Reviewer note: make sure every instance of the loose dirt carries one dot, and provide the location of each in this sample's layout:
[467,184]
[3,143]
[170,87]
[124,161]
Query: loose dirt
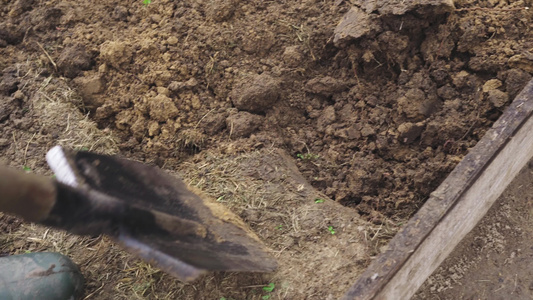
[372,115]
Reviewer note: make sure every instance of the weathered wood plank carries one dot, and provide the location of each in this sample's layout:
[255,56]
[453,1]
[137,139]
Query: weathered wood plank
[454,208]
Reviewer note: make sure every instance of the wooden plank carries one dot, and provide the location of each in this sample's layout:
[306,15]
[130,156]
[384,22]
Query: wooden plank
[454,208]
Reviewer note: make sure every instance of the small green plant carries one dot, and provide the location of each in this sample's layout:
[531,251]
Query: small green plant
[279,227]
[26,168]
[268,288]
[318,200]
[331,229]
[307,156]
[146,2]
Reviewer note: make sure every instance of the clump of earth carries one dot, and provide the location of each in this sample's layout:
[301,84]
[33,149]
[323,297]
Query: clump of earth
[375,101]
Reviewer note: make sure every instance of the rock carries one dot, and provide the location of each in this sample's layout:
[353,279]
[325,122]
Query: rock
[355,24]
[497,98]
[292,56]
[243,124]
[325,86]
[89,87]
[256,93]
[73,60]
[162,108]
[409,132]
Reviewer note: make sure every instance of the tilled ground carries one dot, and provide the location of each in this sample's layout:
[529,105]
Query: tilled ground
[375,115]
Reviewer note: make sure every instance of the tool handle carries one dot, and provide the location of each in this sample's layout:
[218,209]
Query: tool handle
[27,195]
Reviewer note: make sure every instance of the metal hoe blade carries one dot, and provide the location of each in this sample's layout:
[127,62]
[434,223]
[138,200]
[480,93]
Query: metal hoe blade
[153,215]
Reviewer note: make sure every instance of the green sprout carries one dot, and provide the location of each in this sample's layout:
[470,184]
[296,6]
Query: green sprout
[269,288]
[331,229]
[318,200]
[26,168]
[307,156]
[146,2]
[279,227]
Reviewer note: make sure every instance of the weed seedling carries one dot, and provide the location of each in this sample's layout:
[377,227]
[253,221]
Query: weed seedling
[146,2]
[318,200]
[279,227]
[331,229]
[269,288]
[307,156]
[26,168]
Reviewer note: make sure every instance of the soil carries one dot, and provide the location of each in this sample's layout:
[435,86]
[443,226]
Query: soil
[372,115]
[494,260]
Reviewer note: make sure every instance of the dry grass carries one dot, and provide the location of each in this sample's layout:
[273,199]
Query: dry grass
[263,187]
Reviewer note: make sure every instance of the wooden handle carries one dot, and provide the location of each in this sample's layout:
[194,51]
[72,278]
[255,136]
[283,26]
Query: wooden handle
[27,195]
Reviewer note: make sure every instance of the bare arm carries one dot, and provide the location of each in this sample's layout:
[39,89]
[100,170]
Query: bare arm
[27,195]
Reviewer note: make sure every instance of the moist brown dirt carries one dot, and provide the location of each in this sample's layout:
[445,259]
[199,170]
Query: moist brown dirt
[374,120]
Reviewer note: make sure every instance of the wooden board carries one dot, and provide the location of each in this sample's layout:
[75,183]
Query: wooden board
[454,208]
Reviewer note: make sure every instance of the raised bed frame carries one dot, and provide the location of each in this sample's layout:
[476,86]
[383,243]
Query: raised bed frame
[454,208]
